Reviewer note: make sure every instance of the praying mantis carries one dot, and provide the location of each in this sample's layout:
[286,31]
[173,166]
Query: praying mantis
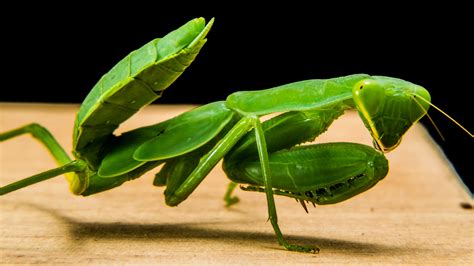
[263,156]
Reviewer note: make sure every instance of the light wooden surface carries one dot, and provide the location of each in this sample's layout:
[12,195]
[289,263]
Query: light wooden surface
[412,216]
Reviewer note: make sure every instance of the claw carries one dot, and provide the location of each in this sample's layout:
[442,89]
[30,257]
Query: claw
[304,205]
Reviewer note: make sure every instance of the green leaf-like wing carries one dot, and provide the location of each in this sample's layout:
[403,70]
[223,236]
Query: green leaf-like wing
[186,133]
[119,160]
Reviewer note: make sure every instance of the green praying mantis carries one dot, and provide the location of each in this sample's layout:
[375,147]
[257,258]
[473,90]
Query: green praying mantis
[263,156]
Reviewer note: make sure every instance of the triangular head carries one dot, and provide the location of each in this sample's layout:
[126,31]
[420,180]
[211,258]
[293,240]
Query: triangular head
[389,107]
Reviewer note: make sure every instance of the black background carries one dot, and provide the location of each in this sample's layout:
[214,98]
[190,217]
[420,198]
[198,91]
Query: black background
[57,53]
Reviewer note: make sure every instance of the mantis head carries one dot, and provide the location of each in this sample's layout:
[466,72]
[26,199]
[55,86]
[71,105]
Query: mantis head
[389,107]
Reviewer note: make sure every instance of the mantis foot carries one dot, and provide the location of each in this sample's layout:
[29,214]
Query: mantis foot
[231,201]
[228,198]
[304,249]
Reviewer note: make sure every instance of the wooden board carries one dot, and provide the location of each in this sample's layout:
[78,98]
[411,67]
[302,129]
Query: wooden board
[412,216]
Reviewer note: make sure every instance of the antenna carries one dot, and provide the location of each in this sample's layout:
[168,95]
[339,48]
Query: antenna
[429,117]
[445,114]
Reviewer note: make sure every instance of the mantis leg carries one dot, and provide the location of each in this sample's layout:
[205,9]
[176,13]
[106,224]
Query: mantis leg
[208,161]
[272,214]
[74,166]
[44,136]
[228,198]
[61,157]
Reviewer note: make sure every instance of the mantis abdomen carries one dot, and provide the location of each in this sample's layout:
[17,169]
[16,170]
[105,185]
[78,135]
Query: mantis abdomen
[136,81]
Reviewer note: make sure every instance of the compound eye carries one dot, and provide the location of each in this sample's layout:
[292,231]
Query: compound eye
[364,85]
[368,94]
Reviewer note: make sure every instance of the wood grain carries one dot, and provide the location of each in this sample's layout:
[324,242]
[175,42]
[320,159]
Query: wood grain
[412,216]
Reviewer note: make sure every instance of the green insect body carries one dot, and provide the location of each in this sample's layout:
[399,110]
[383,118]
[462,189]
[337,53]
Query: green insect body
[312,172]
[268,156]
[329,98]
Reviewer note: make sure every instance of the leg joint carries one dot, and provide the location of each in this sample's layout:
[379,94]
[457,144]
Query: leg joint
[33,127]
[37,130]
